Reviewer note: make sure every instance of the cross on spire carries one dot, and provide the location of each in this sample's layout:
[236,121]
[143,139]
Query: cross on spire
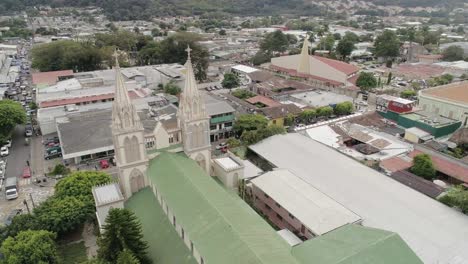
[188,50]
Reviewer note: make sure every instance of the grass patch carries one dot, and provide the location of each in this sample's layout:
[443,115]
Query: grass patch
[73,252]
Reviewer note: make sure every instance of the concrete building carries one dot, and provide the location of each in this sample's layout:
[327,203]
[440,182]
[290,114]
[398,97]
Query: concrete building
[221,118]
[448,100]
[106,197]
[380,201]
[229,169]
[290,203]
[319,71]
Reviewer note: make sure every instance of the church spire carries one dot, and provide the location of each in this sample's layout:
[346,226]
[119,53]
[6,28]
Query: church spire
[191,106]
[124,115]
[304,60]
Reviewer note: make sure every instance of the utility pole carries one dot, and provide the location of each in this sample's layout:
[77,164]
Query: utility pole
[27,207]
[32,201]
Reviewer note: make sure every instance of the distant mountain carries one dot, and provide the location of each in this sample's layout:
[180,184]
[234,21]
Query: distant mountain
[145,9]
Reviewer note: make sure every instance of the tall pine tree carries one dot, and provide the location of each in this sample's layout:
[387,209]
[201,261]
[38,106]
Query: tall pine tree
[122,231]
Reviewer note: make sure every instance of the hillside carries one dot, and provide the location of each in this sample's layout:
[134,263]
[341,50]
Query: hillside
[145,9]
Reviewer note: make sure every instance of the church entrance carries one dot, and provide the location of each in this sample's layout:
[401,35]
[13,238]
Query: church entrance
[137,181]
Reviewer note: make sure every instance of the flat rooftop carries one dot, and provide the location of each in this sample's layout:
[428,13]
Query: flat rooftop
[321,98]
[434,231]
[106,194]
[455,92]
[315,210]
[430,118]
[228,163]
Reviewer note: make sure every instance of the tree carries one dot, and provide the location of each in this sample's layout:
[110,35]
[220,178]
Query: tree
[222,32]
[366,81]
[289,120]
[307,115]
[230,80]
[127,257]
[387,45]
[324,111]
[60,169]
[79,184]
[345,47]
[291,39]
[344,108]
[337,36]
[327,43]
[260,58]
[274,42]
[121,231]
[351,37]
[453,53]
[30,247]
[19,223]
[456,197]
[407,94]
[172,88]
[254,136]
[11,114]
[155,32]
[423,166]
[243,94]
[249,122]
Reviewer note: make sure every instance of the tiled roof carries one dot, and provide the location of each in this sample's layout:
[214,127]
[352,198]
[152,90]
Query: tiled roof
[280,111]
[339,65]
[264,100]
[395,164]
[456,92]
[418,183]
[451,169]
[49,78]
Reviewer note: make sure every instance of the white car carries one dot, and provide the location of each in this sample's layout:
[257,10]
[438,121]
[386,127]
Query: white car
[4,151]
[222,145]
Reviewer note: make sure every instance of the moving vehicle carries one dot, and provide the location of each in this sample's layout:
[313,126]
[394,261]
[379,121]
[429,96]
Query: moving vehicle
[26,172]
[11,188]
[4,151]
[28,133]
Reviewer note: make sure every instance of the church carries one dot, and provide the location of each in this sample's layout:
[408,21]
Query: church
[187,216]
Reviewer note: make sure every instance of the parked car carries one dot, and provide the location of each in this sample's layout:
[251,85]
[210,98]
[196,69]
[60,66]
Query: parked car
[4,151]
[26,172]
[47,141]
[53,148]
[8,143]
[52,155]
[104,164]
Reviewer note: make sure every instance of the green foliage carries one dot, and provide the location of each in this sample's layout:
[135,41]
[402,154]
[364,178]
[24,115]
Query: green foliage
[30,247]
[261,57]
[122,230]
[423,166]
[289,120]
[44,31]
[254,136]
[233,142]
[11,114]
[249,122]
[73,252]
[126,257]
[33,106]
[387,45]
[18,28]
[222,32]
[327,42]
[350,36]
[172,88]
[243,94]
[20,223]
[274,42]
[60,169]
[456,197]
[61,215]
[65,55]
[344,108]
[345,47]
[172,50]
[230,80]
[306,115]
[453,53]
[442,80]
[366,81]
[324,111]
[79,184]
[408,94]
[298,24]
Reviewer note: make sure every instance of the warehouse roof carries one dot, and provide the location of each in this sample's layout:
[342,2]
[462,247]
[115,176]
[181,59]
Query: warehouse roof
[356,244]
[312,208]
[223,228]
[381,201]
[455,92]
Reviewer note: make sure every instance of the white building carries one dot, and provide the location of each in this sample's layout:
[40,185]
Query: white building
[107,197]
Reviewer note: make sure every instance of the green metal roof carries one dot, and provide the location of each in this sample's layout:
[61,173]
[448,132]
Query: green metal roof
[165,245]
[223,228]
[355,244]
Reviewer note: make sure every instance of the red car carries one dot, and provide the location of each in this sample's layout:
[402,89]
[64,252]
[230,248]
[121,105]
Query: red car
[26,172]
[104,164]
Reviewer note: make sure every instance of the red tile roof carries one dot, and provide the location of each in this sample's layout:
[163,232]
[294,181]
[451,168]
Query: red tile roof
[63,102]
[293,72]
[49,78]
[264,100]
[339,65]
[443,165]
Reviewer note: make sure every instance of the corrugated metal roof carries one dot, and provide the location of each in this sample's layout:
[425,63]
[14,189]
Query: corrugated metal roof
[353,244]
[223,228]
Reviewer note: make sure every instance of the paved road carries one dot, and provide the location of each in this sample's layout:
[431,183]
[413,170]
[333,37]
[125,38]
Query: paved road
[19,153]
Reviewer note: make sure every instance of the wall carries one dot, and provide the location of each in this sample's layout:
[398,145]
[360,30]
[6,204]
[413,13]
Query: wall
[444,108]
[272,210]
[102,211]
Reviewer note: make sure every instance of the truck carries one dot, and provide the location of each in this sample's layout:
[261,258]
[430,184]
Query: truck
[11,188]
